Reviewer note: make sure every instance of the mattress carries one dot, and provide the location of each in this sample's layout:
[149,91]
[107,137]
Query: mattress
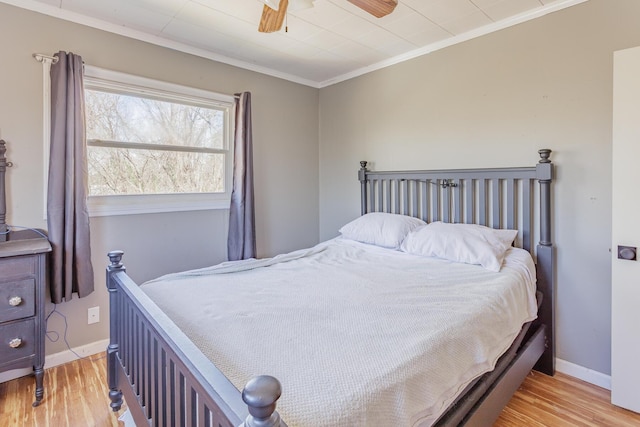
[358,335]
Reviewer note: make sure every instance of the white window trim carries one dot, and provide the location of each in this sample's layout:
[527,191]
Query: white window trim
[101,79]
[153,203]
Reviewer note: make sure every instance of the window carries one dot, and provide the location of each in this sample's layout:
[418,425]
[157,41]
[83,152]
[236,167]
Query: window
[154,146]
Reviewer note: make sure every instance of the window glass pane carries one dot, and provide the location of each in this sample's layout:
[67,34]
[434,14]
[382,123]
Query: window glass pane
[126,118]
[119,171]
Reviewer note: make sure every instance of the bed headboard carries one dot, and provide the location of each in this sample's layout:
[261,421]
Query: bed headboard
[498,198]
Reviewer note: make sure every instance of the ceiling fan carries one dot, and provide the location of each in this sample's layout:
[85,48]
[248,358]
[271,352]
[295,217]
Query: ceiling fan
[274,11]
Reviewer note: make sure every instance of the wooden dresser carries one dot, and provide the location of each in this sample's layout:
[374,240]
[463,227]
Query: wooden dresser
[23,280]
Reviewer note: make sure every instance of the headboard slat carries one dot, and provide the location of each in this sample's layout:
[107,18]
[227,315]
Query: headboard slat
[496,199]
[405,197]
[372,195]
[526,215]
[469,200]
[511,203]
[396,196]
[457,200]
[416,199]
[446,203]
[435,202]
[482,197]
[424,201]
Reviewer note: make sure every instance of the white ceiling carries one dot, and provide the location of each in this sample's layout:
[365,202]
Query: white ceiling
[331,42]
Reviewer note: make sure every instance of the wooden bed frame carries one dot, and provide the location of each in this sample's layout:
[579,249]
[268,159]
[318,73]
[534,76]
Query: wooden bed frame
[167,381]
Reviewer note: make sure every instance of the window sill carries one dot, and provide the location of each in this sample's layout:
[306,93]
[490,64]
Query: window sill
[155,203]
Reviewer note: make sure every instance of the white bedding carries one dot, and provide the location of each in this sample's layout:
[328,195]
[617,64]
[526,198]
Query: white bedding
[357,335]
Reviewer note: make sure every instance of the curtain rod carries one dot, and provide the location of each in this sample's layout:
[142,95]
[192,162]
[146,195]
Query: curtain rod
[45,58]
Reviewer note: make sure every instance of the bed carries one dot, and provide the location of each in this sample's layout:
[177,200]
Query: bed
[158,363]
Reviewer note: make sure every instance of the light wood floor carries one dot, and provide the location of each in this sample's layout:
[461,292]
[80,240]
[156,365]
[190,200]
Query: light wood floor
[75,396]
[562,401]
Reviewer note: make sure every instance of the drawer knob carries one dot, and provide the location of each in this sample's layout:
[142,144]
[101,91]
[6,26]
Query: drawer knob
[15,301]
[15,343]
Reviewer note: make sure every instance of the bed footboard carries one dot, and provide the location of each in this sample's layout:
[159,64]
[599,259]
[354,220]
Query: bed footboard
[164,379]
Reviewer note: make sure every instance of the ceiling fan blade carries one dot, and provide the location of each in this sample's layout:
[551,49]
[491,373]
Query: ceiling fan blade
[377,8]
[272,20]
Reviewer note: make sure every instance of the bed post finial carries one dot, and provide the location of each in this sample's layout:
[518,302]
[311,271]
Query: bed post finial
[545,153]
[261,394]
[116,259]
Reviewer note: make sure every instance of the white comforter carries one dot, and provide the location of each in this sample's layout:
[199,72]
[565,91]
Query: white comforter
[357,335]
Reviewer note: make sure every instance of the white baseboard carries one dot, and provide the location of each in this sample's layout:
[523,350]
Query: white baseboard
[584,374]
[83,351]
[58,359]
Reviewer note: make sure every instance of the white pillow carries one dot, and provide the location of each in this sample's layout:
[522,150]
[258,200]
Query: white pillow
[467,243]
[381,229]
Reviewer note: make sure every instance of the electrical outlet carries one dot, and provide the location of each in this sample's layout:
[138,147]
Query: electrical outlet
[93,315]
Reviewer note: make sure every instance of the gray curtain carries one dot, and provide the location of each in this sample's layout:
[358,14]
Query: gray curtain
[241,243]
[67,216]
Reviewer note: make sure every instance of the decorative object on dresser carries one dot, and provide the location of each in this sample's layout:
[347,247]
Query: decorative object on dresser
[4,164]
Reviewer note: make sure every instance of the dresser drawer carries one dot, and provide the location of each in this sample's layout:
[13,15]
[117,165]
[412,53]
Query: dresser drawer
[17,267]
[17,299]
[25,332]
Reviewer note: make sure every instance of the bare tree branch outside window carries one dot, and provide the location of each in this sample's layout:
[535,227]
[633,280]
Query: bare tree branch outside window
[140,145]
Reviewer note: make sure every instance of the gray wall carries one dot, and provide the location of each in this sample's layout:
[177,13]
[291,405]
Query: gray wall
[285,148]
[493,102]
